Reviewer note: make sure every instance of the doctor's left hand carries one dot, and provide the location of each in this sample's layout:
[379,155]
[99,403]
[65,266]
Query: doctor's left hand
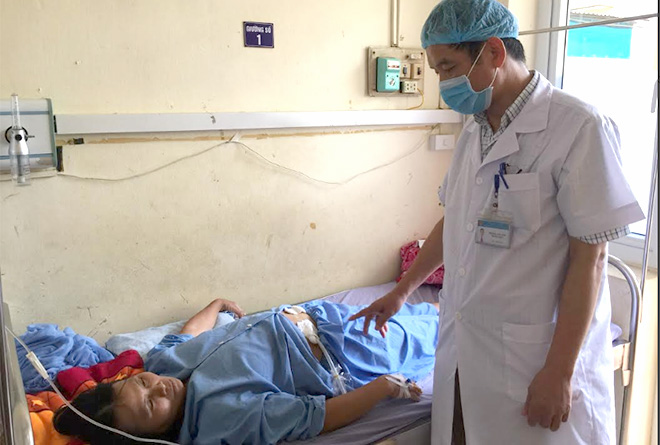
[548,399]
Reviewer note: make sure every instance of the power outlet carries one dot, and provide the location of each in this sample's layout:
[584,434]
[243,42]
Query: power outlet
[409,86]
[441,142]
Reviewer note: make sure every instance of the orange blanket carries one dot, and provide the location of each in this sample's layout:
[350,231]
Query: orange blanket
[73,381]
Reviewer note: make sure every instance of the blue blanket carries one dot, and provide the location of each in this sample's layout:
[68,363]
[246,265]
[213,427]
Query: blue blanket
[56,350]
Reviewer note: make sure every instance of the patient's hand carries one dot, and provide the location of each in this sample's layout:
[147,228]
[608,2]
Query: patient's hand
[205,319]
[402,388]
[228,305]
[347,408]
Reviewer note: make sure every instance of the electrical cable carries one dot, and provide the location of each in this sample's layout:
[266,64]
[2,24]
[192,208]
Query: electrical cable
[153,170]
[261,157]
[43,373]
[422,103]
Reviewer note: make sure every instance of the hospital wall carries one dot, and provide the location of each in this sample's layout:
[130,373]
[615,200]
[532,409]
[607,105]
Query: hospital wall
[106,256]
[526,11]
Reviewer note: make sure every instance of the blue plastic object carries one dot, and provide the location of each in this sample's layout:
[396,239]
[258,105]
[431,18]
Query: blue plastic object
[388,74]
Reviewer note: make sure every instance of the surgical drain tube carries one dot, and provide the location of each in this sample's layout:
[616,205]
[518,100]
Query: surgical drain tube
[312,335]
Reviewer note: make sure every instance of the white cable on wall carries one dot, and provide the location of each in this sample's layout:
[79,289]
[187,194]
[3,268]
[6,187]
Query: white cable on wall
[234,140]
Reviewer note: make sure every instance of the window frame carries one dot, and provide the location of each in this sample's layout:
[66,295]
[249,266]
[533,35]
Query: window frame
[549,61]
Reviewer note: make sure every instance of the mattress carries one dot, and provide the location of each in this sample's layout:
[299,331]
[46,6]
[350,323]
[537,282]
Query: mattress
[390,416]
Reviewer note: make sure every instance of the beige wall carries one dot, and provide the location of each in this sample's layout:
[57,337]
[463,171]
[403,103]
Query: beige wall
[105,257]
[167,55]
[526,11]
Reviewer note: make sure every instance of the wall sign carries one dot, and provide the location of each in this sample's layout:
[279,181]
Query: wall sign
[258,35]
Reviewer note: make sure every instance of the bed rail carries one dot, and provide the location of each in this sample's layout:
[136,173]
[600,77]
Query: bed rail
[6,430]
[624,352]
[15,426]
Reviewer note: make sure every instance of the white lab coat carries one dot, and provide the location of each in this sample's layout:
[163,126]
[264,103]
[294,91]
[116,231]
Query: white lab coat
[498,306]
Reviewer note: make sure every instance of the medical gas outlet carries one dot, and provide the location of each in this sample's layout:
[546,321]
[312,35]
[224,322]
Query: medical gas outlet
[388,74]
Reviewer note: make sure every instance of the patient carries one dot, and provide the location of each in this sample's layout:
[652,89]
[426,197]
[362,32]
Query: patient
[258,379]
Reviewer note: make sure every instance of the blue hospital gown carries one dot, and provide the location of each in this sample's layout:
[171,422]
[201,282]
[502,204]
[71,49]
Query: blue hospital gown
[256,380]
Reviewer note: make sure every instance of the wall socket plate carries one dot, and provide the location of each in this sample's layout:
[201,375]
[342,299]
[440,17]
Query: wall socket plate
[409,57]
[442,141]
[409,86]
[37,119]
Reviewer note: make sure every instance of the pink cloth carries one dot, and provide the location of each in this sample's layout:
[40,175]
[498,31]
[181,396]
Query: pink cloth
[409,252]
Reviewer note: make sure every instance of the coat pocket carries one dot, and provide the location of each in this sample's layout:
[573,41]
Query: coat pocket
[522,200]
[525,350]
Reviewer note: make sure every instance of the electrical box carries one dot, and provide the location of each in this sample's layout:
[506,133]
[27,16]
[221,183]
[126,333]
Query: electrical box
[441,142]
[37,119]
[388,74]
[384,79]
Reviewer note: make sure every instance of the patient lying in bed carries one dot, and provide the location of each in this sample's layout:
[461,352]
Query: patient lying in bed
[258,380]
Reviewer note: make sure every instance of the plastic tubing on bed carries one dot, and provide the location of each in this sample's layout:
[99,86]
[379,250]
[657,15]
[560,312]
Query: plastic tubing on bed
[337,378]
[43,373]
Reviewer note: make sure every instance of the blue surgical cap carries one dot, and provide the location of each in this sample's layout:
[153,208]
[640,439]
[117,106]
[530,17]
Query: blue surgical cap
[458,21]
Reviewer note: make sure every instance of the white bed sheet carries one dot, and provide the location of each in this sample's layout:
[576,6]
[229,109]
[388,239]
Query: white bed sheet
[390,416]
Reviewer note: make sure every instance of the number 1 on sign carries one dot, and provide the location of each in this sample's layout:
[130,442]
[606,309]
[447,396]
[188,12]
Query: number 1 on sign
[259,39]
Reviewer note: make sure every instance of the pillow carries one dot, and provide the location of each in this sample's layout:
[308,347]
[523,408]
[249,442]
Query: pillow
[409,252]
[74,381]
[42,407]
[143,341]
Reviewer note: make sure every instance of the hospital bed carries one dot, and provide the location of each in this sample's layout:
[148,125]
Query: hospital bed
[394,422]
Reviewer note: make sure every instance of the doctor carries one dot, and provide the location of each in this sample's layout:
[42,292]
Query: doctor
[525,309]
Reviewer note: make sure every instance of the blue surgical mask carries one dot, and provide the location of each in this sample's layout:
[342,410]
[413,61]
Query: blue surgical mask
[459,95]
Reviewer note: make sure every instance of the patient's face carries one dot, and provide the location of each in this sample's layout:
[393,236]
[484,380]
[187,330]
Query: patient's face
[148,403]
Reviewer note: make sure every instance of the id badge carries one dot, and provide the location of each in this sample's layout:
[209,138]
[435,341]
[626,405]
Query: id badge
[494,229]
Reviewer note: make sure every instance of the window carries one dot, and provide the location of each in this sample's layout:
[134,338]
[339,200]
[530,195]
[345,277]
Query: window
[615,68]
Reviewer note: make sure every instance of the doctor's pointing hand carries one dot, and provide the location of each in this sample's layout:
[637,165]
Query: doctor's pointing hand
[534,192]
